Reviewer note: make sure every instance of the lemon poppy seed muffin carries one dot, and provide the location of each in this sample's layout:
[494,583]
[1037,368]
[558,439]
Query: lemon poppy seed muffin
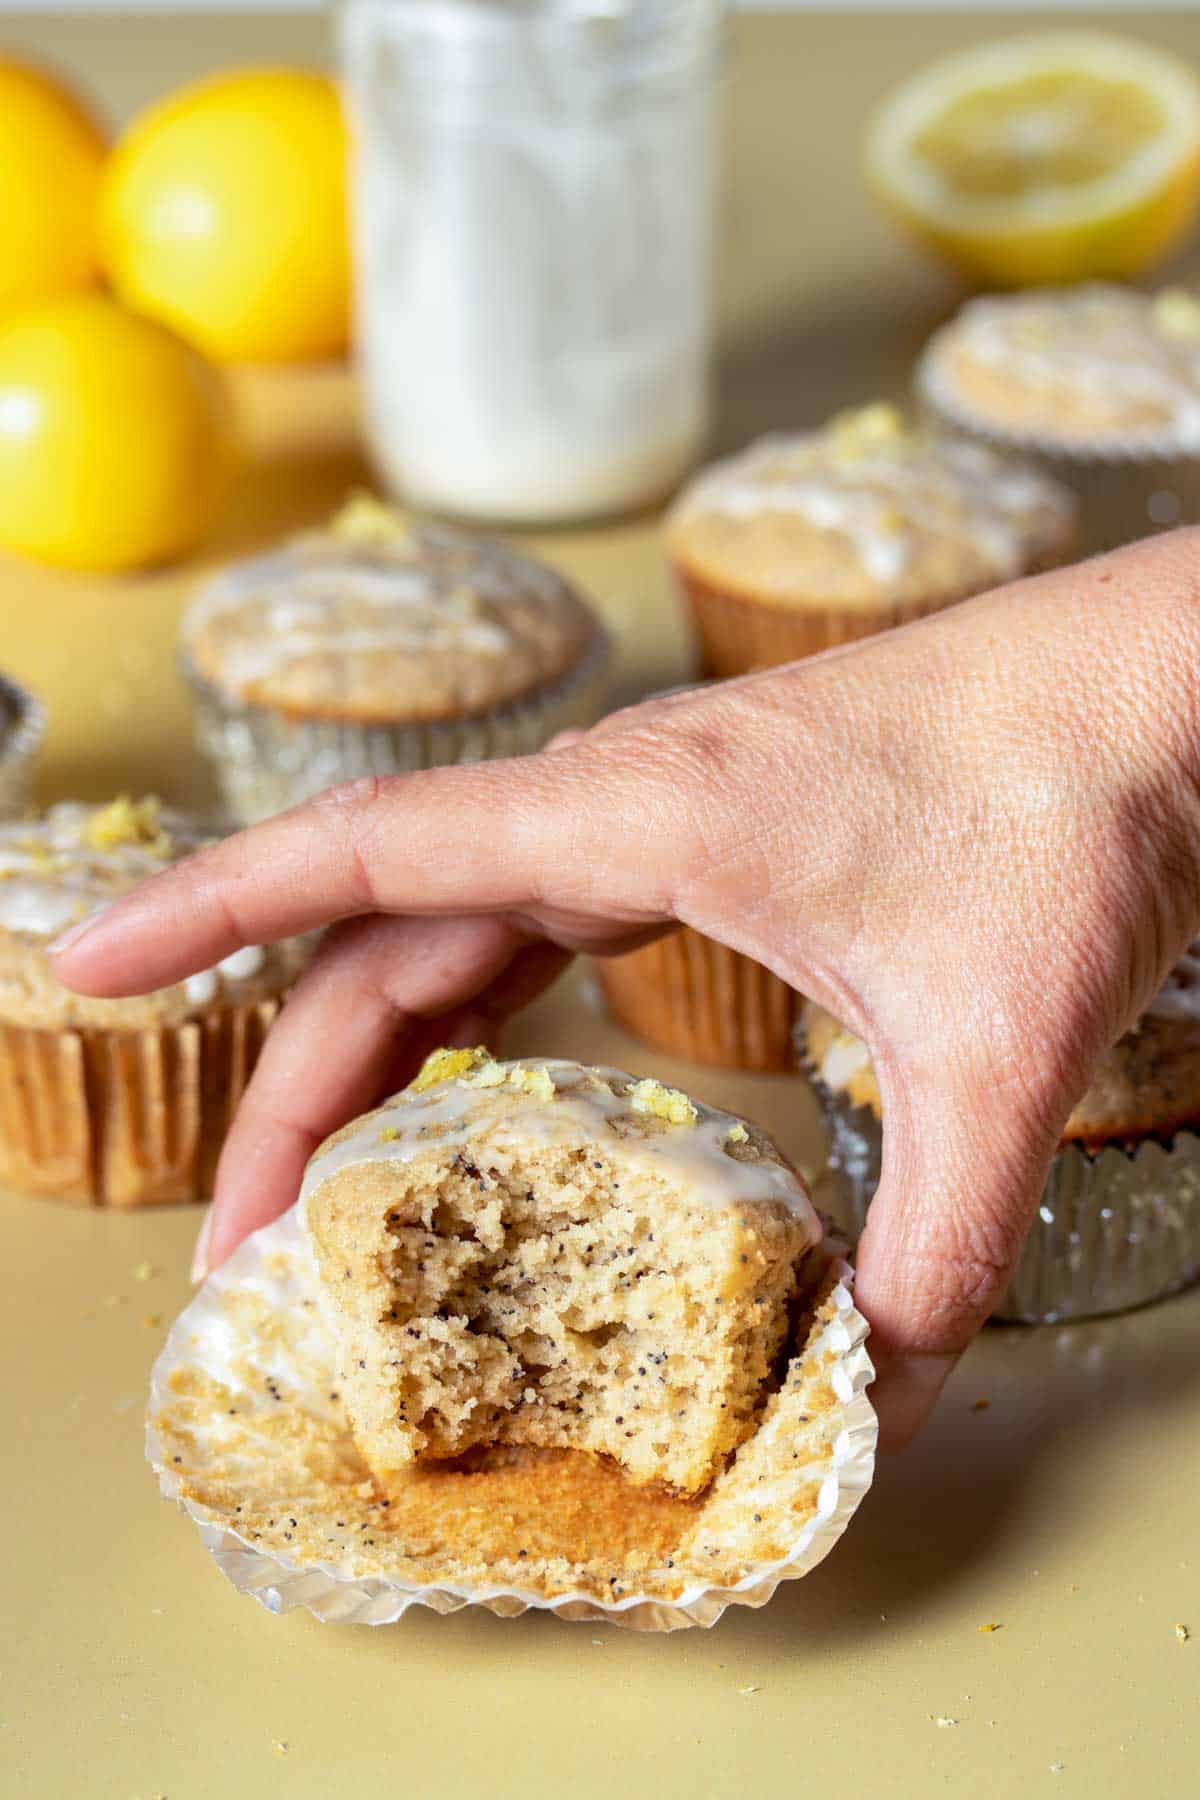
[545,1255]
[1099,383]
[22,722]
[116,1102]
[1119,1222]
[802,542]
[376,646]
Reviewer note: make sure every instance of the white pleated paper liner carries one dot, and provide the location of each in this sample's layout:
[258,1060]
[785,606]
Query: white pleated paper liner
[1117,1227]
[266,760]
[245,1430]
[22,725]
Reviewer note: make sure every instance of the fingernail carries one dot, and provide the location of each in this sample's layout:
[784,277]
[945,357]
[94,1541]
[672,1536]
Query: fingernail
[68,939]
[200,1268]
[905,1393]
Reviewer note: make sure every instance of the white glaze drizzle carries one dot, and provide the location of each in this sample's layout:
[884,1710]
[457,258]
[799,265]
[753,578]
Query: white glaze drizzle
[1103,343]
[584,1106]
[886,497]
[52,877]
[324,596]
[241,965]
[846,1057]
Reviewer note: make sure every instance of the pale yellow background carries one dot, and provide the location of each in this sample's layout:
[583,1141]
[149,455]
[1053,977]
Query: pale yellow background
[1067,1512]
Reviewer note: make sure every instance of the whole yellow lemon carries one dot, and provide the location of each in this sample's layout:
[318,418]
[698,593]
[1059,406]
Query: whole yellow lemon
[223,213]
[115,442]
[51,153]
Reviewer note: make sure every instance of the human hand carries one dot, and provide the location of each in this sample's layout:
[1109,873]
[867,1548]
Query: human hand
[976,841]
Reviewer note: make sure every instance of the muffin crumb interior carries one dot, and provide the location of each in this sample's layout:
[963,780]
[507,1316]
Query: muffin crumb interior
[551,1287]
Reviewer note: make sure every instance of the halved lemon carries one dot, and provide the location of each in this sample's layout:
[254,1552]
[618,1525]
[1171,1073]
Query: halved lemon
[1062,156]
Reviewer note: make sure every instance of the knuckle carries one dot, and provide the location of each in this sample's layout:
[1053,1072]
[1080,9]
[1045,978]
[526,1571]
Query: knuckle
[349,817]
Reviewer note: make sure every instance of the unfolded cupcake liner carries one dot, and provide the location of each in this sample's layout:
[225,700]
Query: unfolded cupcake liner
[249,1366]
[1117,1227]
[697,999]
[124,1118]
[1124,494]
[737,635]
[22,726]
[267,760]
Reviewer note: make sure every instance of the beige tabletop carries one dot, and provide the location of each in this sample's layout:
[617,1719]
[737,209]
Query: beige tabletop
[1064,1512]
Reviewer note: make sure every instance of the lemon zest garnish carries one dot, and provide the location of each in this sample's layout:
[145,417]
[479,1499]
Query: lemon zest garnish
[369,522]
[738,1134]
[865,428]
[662,1103]
[1177,313]
[128,821]
[535,1082]
[447,1065]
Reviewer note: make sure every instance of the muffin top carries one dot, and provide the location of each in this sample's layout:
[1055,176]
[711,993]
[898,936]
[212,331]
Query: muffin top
[1147,1085]
[725,1161]
[375,620]
[868,510]
[1092,369]
[57,869]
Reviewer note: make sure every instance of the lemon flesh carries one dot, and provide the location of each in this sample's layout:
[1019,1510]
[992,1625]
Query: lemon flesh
[1058,157]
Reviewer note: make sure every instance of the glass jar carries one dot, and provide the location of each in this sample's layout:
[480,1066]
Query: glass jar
[533,201]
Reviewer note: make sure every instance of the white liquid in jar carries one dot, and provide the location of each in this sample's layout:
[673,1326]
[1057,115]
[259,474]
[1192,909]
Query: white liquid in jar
[533,199]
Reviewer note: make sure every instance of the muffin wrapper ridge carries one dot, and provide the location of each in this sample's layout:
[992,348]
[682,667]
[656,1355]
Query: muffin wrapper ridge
[267,760]
[694,998]
[1116,1227]
[1122,494]
[124,1118]
[737,635]
[252,1342]
[20,737]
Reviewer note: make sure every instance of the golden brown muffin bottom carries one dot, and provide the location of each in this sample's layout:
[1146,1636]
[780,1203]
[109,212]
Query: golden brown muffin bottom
[697,999]
[125,1118]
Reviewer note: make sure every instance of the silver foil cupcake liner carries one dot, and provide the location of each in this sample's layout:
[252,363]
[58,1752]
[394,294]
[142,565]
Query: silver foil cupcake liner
[22,725]
[1146,486]
[267,760]
[1116,1227]
[248,1370]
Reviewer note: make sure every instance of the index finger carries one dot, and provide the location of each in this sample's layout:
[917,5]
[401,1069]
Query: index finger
[473,839]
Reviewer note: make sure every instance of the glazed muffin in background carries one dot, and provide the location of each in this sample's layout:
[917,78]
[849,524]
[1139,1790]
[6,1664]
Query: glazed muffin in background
[1119,1221]
[807,541]
[22,723]
[547,1256]
[377,646]
[116,1102]
[1100,384]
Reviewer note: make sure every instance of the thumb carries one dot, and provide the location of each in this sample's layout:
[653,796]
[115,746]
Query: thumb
[964,1164]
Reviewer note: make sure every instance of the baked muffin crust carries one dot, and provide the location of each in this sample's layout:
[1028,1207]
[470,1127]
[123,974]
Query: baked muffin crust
[1089,368]
[378,620]
[57,869]
[867,511]
[1147,1085]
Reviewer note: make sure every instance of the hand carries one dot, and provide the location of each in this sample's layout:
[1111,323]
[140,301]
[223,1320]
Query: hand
[975,840]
